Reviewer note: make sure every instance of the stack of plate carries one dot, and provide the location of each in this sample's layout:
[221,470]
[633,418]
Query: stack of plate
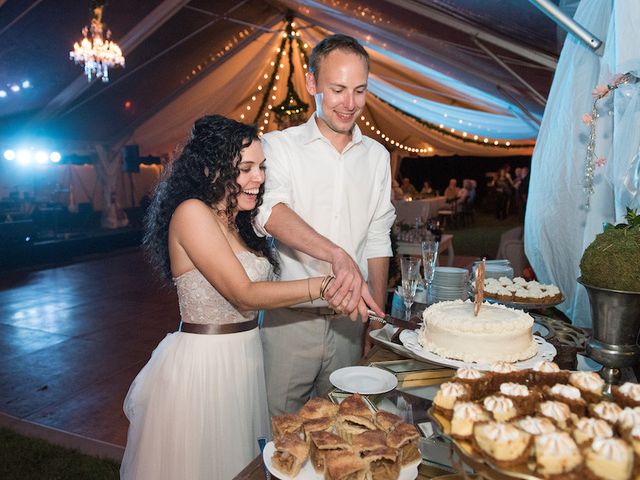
[450,283]
[497,270]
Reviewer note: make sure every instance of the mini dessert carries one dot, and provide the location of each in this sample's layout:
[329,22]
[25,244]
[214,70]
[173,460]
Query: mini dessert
[569,395]
[465,416]
[548,373]
[634,439]
[521,291]
[627,395]
[558,412]
[320,444]
[557,455]
[609,459]
[404,438]
[288,423]
[505,372]
[290,454]
[477,381]
[524,399]
[386,421]
[628,418]
[344,465]
[589,383]
[318,408]
[501,408]
[502,443]
[452,330]
[588,429]
[380,458]
[448,394]
[607,411]
[322,424]
[354,417]
[535,425]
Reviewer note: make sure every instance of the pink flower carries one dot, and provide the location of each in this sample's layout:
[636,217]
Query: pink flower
[601,161]
[600,90]
[587,119]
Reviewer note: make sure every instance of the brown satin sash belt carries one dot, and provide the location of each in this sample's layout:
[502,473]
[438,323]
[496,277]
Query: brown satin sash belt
[320,311]
[218,329]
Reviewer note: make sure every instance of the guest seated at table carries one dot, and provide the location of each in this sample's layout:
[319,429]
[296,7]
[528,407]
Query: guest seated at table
[427,191]
[396,191]
[470,188]
[407,188]
[451,192]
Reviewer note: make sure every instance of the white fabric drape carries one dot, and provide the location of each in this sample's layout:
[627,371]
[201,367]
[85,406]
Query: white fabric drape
[558,227]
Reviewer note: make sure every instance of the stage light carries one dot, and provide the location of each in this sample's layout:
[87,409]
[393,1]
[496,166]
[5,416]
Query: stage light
[23,157]
[9,155]
[41,157]
[55,157]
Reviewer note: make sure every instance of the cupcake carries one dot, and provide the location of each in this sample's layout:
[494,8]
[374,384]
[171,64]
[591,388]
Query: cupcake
[609,459]
[551,294]
[519,281]
[589,383]
[505,281]
[588,429]
[504,294]
[607,411]
[535,425]
[491,290]
[627,395]
[634,439]
[557,455]
[502,443]
[521,295]
[502,409]
[504,372]
[548,373]
[477,381]
[524,399]
[465,416]
[569,395]
[558,412]
[628,418]
[448,394]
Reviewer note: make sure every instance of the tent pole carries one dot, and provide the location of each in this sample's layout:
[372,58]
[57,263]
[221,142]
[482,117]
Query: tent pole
[537,97]
[569,24]
[521,111]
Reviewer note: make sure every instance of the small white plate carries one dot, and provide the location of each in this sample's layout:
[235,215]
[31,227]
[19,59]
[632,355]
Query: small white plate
[408,472]
[363,380]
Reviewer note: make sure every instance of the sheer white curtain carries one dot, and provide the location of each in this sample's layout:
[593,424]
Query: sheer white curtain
[558,227]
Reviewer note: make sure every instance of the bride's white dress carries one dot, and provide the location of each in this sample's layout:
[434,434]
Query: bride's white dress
[199,405]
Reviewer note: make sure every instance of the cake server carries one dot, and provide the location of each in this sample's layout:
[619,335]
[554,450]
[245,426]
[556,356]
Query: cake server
[397,322]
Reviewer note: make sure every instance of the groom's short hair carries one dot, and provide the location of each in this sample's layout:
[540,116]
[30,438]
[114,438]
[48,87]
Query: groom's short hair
[331,43]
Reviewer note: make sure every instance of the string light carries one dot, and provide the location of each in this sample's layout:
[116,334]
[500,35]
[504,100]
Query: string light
[392,142]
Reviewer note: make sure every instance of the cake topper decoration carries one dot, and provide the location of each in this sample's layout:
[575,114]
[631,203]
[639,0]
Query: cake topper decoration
[479,286]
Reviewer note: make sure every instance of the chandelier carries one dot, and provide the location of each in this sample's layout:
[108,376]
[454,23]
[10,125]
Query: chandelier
[97,53]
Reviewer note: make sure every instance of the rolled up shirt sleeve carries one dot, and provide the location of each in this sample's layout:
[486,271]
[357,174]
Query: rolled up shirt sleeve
[378,238]
[277,182]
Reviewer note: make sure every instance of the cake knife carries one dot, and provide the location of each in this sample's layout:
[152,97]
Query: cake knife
[388,319]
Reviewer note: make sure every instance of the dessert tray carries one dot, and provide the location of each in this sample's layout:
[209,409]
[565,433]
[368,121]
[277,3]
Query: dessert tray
[409,339]
[525,305]
[408,472]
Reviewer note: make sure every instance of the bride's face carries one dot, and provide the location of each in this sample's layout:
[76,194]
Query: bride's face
[252,167]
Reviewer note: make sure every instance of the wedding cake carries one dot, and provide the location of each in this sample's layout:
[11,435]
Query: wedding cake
[498,333]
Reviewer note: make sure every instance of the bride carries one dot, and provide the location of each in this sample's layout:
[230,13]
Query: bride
[198,407]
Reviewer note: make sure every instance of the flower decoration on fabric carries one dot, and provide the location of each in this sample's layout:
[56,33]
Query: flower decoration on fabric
[591,162]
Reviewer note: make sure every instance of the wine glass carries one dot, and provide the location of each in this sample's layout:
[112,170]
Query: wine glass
[430,261]
[410,267]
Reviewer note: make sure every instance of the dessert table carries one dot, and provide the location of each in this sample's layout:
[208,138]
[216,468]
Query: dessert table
[415,249]
[408,210]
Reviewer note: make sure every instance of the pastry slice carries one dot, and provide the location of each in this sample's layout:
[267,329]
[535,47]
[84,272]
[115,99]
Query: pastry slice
[322,424]
[318,408]
[290,454]
[320,444]
[344,465]
[405,438]
[386,421]
[354,418]
[289,423]
[381,459]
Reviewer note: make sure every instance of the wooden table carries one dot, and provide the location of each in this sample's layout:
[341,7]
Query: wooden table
[415,249]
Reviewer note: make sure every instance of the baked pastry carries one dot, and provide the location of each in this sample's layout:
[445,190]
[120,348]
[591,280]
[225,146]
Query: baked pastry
[548,373]
[318,408]
[465,416]
[608,411]
[558,412]
[634,439]
[535,425]
[448,394]
[627,394]
[609,459]
[502,443]
[505,372]
[322,424]
[567,394]
[501,408]
[321,443]
[524,399]
[477,381]
[291,452]
[628,418]
[589,383]
[405,438]
[288,423]
[382,460]
[557,455]
[354,417]
[387,421]
[344,465]
[588,429]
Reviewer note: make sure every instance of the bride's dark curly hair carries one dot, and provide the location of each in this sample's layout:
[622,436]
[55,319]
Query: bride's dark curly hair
[205,169]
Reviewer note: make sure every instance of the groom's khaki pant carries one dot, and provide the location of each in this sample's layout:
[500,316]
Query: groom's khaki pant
[301,349]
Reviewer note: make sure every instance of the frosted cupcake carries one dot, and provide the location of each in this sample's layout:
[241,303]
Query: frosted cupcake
[628,418]
[609,459]
[448,394]
[634,439]
[502,409]
[519,281]
[535,425]
[627,395]
[589,383]
[607,411]
[505,372]
[477,381]
[557,455]
[588,429]
[465,416]
[548,373]
[558,412]
[502,443]
[524,399]
[567,394]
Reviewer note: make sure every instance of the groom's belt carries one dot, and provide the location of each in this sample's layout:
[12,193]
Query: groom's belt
[218,329]
[320,311]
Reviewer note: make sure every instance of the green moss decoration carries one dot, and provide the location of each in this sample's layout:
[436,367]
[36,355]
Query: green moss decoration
[613,258]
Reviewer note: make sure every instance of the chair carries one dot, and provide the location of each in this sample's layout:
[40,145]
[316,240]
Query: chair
[467,211]
[512,248]
[448,215]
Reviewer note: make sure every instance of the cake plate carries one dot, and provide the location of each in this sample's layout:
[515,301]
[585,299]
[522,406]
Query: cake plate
[409,339]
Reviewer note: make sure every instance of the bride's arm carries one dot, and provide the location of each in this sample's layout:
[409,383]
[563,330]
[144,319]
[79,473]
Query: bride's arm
[195,233]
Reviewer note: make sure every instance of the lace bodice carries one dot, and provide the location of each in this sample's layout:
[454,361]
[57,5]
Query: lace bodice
[201,303]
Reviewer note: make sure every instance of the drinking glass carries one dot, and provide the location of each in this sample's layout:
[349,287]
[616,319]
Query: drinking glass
[410,267]
[430,261]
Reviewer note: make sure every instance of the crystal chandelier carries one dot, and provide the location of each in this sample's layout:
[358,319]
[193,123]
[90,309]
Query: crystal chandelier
[97,53]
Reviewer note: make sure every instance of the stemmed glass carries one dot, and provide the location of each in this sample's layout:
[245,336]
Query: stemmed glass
[410,267]
[429,260]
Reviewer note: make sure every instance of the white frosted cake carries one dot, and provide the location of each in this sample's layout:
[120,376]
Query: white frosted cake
[498,333]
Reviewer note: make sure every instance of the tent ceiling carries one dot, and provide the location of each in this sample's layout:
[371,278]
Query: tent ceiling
[182,48]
